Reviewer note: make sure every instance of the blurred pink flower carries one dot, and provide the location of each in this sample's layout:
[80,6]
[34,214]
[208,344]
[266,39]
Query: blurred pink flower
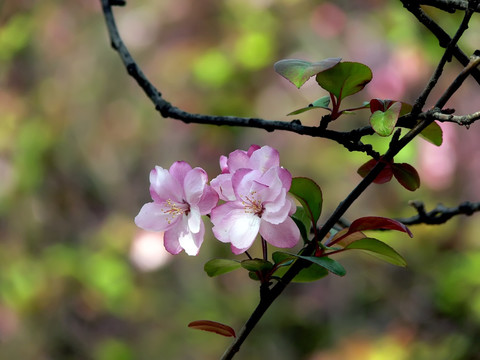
[180,196]
[261,204]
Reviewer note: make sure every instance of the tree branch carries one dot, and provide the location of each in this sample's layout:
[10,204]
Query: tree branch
[440,214]
[350,140]
[464,120]
[448,5]
[443,38]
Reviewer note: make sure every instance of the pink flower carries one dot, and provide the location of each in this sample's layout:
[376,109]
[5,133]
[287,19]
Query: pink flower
[256,158]
[180,196]
[261,205]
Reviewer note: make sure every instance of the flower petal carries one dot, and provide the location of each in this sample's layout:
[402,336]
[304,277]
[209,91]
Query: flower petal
[180,236]
[223,186]
[277,211]
[223,164]
[194,219]
[152,216]
[244,229]
[163,186]
[264,158]
[237,160]
[233,224]
[171,243]
[251,149]
[283,235]
[208,201]
[179,170]
[194,184]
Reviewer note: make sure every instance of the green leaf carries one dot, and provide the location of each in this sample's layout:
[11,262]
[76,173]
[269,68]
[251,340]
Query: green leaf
[433,133]
[256,265]
[321,103]
[280,257]
[217,267]
[331,265]
[406,175]
[303,222]
[345,79]
[383,122]
[379,249]
[253,275]
[312,273]
[309,194]
[299,71]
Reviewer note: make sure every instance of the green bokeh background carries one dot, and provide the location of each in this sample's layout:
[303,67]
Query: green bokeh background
[78,139]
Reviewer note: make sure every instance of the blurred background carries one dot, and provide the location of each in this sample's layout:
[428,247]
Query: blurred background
[78,138]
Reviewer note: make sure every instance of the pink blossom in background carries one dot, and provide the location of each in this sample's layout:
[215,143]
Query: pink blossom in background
[437,165]
[257,201]
[147,252]
[180,196]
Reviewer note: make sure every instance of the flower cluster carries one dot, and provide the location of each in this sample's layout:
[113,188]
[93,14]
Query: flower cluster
[254,190]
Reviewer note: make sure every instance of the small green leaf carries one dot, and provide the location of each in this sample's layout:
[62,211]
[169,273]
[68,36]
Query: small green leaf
[299,71]
[217,267]
[213,326]
[406,175]
[383,122]
[253,275]
[433,133]
[256,265]
[309,194]
[303,222]
[331,265]
[312,273]
[379,249]
[321,103]
[280,257]
[345,79]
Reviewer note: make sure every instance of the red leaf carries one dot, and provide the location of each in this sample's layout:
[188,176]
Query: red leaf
[369,223]
[376,105]
[407,176]
[213,326]
[377,223]
[384,176]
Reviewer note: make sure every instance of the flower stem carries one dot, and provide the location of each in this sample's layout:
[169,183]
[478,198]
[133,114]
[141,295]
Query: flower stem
[265,249]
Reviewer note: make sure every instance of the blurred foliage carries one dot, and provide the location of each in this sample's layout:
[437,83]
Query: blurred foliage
[78,138]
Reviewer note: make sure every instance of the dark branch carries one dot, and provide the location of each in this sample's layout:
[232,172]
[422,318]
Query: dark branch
[440,214]
[448,5]
[350,140]
[443,38]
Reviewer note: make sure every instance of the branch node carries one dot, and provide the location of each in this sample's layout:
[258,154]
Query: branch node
[466,208]
[117,2]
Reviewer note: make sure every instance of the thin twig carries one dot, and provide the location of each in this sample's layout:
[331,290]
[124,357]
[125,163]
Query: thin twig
[443,38]
[448,5]
[447,55]
[440,214]
[464,120]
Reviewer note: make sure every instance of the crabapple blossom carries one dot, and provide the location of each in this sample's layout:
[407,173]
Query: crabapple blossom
[258,158]
[261,205]
[180,196]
